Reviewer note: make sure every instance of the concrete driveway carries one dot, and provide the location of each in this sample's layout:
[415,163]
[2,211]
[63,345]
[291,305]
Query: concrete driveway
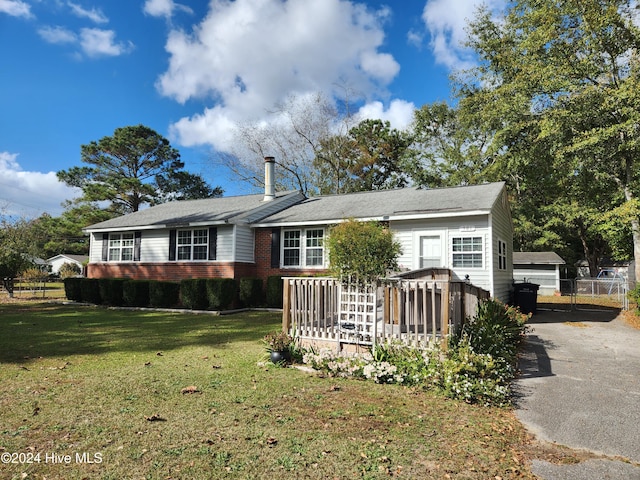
[580,387]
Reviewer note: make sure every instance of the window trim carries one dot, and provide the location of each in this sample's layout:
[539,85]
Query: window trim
[120,247]
[502,255]
[191,245]
[303,248]
[480,252]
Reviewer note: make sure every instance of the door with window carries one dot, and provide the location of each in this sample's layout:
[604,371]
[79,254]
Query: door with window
[430,247]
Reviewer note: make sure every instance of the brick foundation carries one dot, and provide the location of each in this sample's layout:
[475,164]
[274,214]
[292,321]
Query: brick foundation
[173,271]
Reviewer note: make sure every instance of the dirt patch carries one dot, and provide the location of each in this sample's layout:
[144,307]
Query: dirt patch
[555,453]
[631,318]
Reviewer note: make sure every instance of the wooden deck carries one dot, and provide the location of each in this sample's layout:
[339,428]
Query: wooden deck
[323,311]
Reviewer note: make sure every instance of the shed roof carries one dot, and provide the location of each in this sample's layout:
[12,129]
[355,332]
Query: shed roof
[537,258]
[70,256]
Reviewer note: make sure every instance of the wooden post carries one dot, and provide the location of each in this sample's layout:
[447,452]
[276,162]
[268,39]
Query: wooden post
[444,310]
[286,306]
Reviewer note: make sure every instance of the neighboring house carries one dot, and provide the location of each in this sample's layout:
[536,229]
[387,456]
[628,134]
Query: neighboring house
[57,261]
[542,268]
[466,229]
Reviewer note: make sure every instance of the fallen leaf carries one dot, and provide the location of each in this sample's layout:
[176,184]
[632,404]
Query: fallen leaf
[190,389]
[271,441]
[155,418]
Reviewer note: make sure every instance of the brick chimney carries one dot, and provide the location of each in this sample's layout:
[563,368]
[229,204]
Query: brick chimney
[269,185]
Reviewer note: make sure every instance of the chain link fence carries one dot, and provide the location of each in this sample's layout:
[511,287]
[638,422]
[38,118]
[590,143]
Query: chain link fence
[591,294]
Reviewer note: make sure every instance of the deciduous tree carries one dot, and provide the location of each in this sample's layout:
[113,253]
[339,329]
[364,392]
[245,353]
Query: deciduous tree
[558,88]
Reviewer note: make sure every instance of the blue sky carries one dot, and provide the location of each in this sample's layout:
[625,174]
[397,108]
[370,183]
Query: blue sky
[74,71]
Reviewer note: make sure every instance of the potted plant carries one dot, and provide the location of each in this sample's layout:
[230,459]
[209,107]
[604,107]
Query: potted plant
[279,344]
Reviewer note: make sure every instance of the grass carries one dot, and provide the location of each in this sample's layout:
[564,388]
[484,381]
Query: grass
[107,384]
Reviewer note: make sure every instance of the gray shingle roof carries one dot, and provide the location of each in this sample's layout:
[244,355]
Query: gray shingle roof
[251,208]
[537,258]
[390,203]
[186,212]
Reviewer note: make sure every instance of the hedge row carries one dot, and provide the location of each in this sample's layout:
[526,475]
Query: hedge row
[195,294]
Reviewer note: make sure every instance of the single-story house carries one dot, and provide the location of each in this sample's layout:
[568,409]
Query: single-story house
[466,229]
[542,268]
[57,261]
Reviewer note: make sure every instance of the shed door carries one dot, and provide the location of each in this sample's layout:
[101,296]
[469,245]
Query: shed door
[431,251]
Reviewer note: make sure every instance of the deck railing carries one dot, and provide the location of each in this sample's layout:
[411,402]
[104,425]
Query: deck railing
[414,311]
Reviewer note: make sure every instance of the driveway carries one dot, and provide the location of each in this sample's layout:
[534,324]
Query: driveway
[580,387]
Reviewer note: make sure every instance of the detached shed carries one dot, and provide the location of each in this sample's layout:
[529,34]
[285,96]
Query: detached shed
[542,268]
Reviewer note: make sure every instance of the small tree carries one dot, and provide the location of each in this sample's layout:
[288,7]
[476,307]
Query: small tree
[69,270]
[362,252]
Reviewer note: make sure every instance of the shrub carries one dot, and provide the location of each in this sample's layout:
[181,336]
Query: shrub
[416,365]
[634,296]
[135,293]
[164,294]
[69,270]
[362,252]
[496,329]
[111,291]
[72,289]
[90,290]
[193,293]
[477,367]
[250,292]
[274,291]
[476,377]
[221,292]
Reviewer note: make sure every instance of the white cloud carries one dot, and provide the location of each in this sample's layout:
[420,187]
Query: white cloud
[249,55]
[446,22]
[95,15]
[15,8]
[399,114]
[30,193]
[58,35]
[96,42]
[163,8]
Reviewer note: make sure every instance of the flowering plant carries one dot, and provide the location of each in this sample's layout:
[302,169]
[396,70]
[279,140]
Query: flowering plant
[278,341]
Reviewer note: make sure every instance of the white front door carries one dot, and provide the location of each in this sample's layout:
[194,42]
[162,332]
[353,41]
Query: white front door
[430,251]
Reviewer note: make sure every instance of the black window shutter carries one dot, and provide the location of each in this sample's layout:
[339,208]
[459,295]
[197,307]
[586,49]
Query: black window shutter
[136,246]
[213,243]
[275,248]
[105,247]
[172,245]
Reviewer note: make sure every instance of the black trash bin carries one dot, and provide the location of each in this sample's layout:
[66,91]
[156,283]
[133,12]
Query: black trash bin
[525,296]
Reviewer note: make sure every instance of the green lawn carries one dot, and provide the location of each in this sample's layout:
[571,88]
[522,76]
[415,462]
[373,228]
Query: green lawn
[107,384]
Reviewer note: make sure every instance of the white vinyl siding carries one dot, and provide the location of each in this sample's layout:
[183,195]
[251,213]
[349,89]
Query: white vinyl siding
[409,234]
[244,243]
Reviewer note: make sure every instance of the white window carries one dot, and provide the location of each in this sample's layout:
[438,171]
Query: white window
[502,255]
[303,248]
[467,252]
[121,247]
[314,252]
[192,244]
